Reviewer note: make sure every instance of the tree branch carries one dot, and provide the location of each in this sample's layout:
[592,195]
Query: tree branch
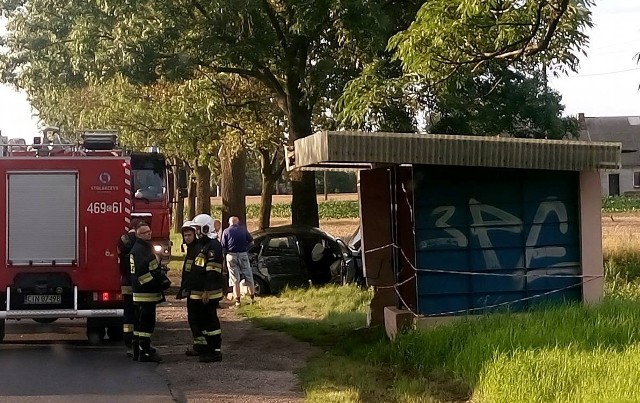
[521,47]
[201,9]
[273,18]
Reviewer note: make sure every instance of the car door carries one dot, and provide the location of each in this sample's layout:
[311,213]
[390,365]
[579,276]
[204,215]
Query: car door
[280,261]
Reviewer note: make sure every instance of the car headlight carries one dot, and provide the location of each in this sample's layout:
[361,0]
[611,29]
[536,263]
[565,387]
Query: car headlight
[157,248]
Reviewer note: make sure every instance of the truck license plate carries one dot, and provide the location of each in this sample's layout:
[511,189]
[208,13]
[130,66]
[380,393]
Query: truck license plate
[43,299]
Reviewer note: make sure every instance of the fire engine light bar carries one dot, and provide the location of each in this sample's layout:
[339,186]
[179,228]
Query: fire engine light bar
[99,140]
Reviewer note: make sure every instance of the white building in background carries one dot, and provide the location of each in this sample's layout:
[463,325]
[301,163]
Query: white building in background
[624,129]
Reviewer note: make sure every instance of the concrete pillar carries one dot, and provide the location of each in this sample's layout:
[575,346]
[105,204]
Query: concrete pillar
[591,236]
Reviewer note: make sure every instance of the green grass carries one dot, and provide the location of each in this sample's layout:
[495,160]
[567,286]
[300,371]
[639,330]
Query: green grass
[565,353]
[326,210]
[622,260]
[347,370]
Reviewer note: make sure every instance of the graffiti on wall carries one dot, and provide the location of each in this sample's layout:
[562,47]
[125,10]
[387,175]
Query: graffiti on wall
[487,220]
[487,237]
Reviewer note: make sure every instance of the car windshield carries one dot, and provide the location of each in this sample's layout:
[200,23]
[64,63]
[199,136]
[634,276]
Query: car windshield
[354,239]
[148,184]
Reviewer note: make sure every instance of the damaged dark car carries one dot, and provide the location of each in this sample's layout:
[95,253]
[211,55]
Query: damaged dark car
[297,256]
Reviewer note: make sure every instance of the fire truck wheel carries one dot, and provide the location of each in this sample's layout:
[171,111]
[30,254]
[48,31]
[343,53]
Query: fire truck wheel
[2,330]
[95,335]
[45,320]
[115,333]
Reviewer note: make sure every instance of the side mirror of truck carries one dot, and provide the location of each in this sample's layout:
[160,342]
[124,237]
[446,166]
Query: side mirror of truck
[182,178]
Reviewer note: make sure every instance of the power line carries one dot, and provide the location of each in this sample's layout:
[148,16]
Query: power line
[604,73]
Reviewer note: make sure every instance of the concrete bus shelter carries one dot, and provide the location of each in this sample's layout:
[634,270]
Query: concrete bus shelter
[460,225]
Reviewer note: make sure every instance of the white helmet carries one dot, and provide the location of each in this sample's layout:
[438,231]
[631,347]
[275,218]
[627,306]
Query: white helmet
[188,224]
[205,222]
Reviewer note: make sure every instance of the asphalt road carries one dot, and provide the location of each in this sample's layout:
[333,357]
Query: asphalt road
[55,363]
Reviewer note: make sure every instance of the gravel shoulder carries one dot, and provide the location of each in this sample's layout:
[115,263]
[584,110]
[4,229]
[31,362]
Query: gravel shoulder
[258,365]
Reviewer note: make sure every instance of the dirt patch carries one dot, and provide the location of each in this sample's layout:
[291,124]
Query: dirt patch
[258,365]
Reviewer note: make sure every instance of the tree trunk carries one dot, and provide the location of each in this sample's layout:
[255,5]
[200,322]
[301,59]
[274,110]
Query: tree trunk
[178,211]
[203,190]
[232,182]
[271,172]
[192,196]
[304,203]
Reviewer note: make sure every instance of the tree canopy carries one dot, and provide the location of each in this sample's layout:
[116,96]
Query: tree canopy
[301,53]
[501,102]
[300,50]
[455,43]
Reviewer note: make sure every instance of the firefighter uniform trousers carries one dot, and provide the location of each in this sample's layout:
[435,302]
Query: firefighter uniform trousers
[207,323]
[199,342]
[124,248]
[206,275]
[144,325]
[147,293]
[128,318]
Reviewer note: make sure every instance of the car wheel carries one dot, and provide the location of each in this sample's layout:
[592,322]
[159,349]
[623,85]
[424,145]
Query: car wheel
[45,320]
[260,286]
[95,335]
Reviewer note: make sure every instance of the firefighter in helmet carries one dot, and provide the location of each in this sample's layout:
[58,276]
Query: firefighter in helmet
[125,244]
[205,283]
[149,283]
[189,238]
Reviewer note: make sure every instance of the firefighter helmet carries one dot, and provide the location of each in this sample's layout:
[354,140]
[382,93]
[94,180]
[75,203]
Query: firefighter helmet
[188,225]
[205,222]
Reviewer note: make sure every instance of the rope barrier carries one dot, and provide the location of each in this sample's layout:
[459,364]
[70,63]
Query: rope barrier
[396,287]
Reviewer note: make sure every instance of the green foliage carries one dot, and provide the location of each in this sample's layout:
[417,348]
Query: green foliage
[502,101]
[337,182]
[620,204]
[448,59]
[301,51]
[448,35]
[326,210]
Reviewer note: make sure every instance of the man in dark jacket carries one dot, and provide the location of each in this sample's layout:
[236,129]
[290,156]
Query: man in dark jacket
[148,283]
[125,244]
[193,249]
[206,284]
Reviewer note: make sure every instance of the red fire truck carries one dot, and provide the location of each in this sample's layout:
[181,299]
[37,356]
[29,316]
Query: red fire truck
[64,210]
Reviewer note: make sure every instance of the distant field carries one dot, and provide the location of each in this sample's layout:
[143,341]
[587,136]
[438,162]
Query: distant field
[217,201]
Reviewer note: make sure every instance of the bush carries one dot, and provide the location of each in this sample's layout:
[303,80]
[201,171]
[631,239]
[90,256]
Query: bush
[326,210]
[620,204]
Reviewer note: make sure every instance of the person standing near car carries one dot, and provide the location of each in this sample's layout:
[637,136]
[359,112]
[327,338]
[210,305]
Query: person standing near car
[236,242]
[189,238]
[205,283]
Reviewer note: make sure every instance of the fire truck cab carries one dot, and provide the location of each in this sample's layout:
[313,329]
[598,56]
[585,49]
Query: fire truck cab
[65,207]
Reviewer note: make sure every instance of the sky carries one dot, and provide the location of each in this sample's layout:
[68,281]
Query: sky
[607,83]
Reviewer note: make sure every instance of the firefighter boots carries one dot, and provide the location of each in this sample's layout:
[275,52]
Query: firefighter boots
[149,357]
[135,348]
[211,357]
